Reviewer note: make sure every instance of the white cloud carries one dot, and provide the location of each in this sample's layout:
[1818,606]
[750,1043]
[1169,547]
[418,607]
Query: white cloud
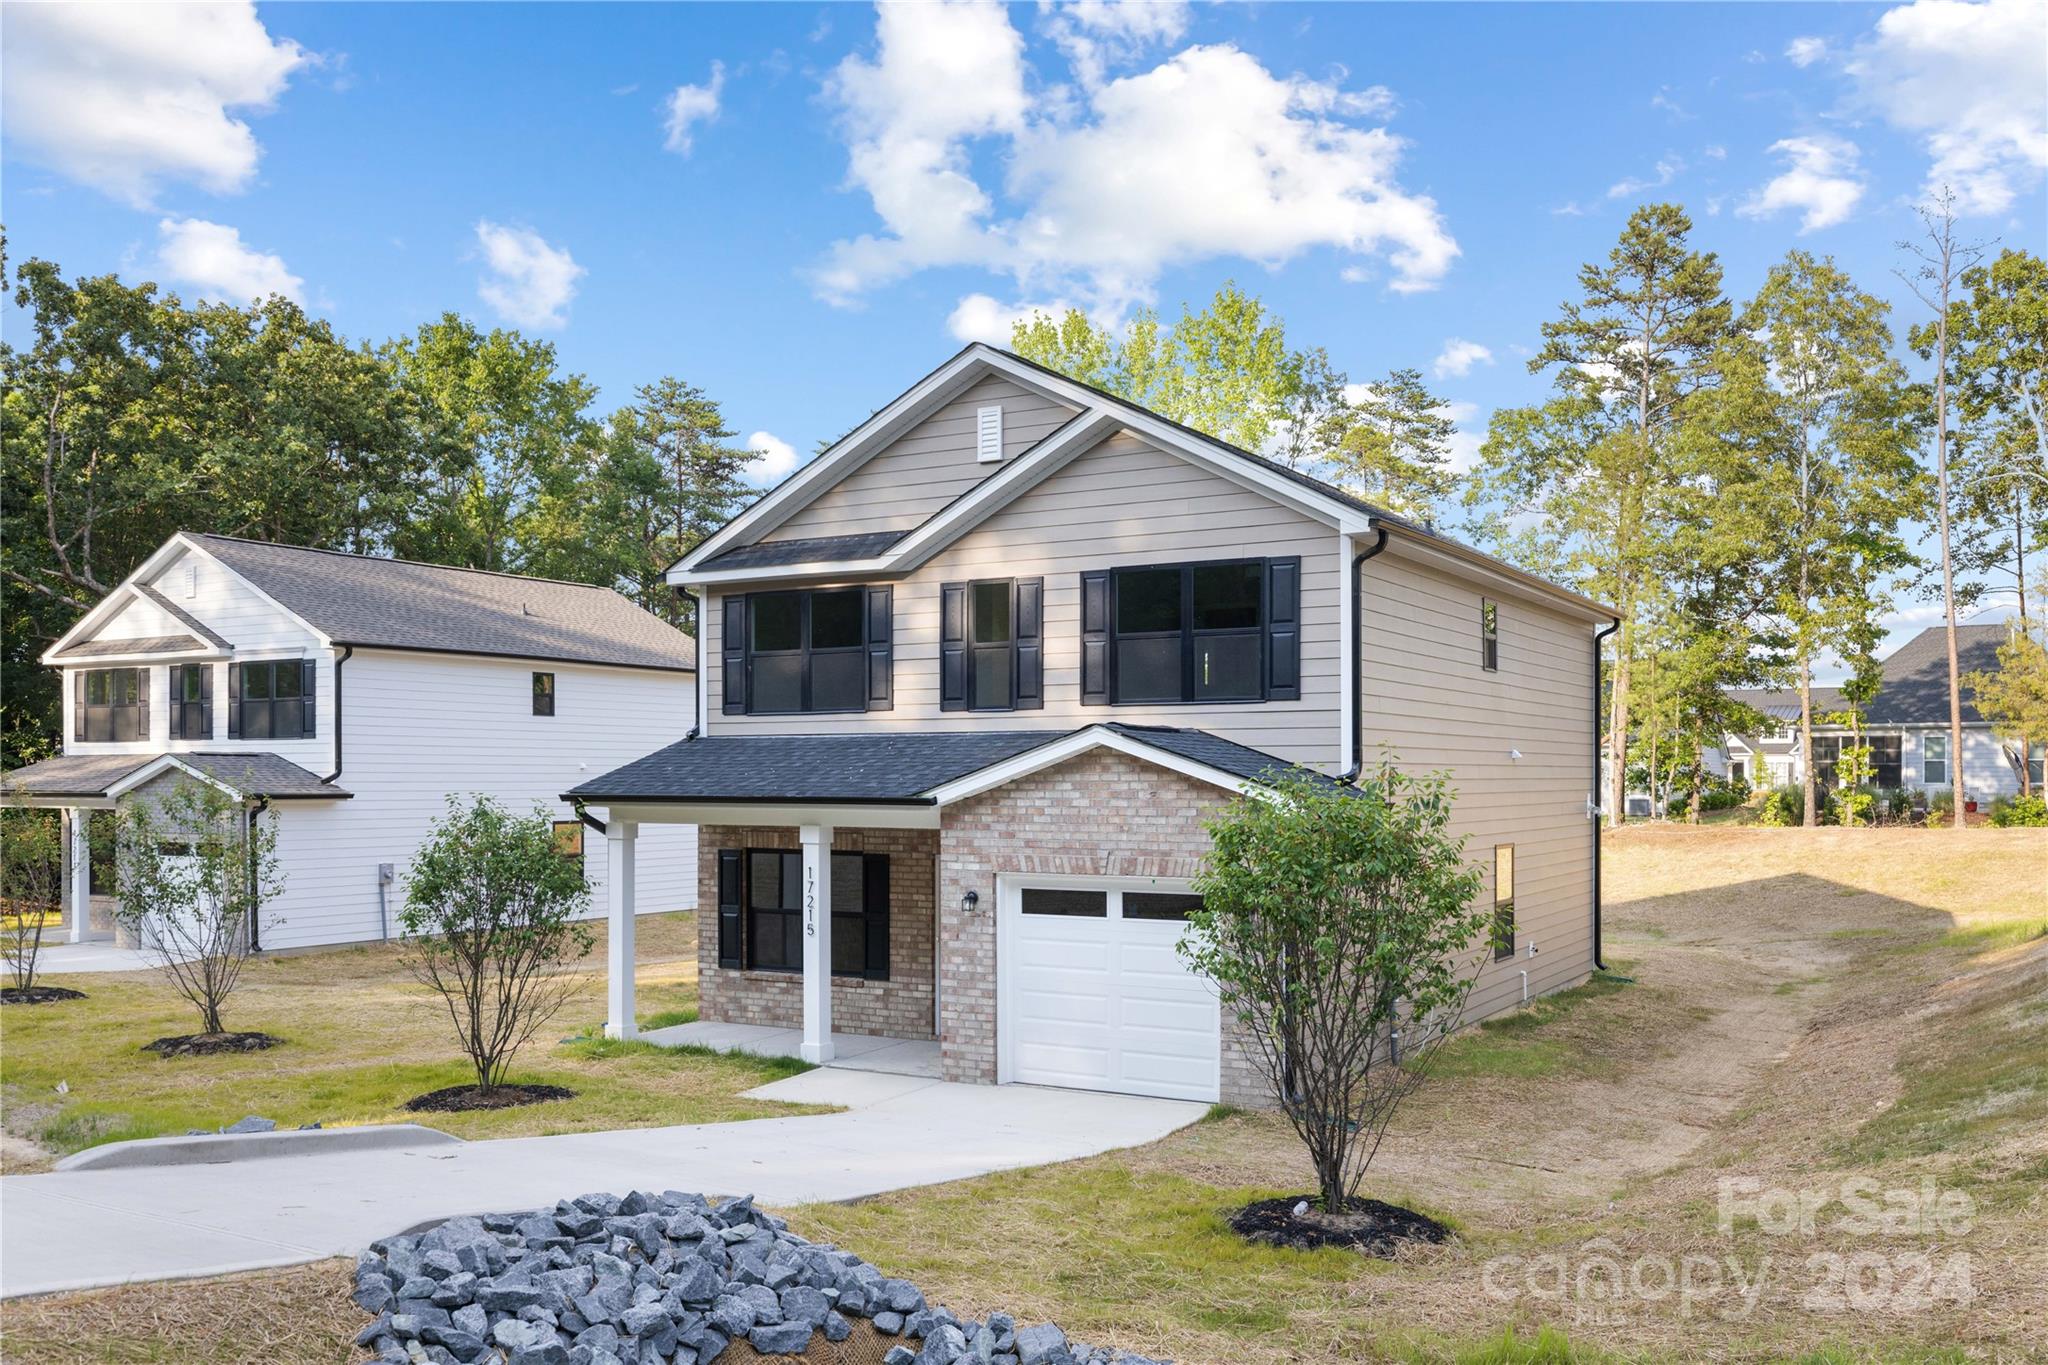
[1459,356]
[775,457]
[979,317]
[1820,179]
[1354,274]
[1967,79]
[127,97]
[212,258]
[1804,52]
[529,282]
[1206,154]
[689,105]
[1668,167]
[1096,34]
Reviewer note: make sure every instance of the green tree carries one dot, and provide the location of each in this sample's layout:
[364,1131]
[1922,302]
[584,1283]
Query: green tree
[1340,926]
[1842,476]
[489,921]
[1589,472]
[2014,697]
[1391,445]
[1226,370]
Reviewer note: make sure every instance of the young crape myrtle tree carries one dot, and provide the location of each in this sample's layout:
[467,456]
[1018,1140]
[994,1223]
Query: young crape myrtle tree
[2014,697]
[31,889]
[489,920]
[1341,928]
[194,865]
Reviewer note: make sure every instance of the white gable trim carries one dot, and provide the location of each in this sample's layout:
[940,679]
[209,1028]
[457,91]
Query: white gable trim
[156,767]
[1072,746]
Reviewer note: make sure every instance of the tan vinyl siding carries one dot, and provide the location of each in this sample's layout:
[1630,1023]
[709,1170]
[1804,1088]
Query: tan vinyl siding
[1123,503]
[927,467]
[1430,702]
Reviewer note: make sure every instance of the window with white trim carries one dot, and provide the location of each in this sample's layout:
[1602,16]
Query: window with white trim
[1934,760]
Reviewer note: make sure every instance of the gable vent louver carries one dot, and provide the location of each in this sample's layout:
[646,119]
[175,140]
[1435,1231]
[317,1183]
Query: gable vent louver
[988,435]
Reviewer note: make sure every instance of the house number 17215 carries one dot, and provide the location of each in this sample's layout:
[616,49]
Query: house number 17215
[810,902]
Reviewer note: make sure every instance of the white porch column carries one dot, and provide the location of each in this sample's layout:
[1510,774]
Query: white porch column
[619,841]
[80,820]
[817,845]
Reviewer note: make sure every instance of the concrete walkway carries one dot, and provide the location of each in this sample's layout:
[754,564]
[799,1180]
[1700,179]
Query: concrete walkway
[854,1051]
[78,1229]
[97,955]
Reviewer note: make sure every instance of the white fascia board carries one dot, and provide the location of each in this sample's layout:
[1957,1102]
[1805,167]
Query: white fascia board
[1072,746]
[208,654]
[878,567]
[848,454]
[757,813]
[124,592]
[156,768]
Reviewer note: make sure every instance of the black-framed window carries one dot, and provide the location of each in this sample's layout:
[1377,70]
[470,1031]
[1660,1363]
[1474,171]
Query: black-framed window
[271,699]
[1220,631]
[191,706]
[761,911]
[112,705]
[543,694]
[1503,902]
[1887,768]
[1489,634]
[1827,752]
[808,651]
[991,645]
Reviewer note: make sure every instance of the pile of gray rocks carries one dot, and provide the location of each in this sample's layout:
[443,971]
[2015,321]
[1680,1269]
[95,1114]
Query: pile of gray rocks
[667,1279]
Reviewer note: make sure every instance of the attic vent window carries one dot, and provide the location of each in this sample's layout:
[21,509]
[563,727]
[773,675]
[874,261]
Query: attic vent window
[988,435]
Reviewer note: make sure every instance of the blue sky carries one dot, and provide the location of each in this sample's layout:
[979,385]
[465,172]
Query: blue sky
[804,207]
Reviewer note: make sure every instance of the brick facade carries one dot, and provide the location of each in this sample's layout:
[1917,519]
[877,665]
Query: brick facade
[900,1007]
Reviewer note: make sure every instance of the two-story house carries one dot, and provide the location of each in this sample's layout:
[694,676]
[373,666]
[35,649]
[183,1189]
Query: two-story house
[978,674]
[345,698]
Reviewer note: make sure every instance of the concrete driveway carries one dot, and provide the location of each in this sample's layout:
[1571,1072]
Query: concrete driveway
[78,1229]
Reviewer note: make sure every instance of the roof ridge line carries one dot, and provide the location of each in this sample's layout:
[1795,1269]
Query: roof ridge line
[395,559]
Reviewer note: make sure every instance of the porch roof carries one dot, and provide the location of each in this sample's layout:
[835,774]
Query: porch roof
[891,767]
[99,776]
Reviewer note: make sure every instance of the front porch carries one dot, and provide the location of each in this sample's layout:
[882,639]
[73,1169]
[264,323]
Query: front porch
[850,1051]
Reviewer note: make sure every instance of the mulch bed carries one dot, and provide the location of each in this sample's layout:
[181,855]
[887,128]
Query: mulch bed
[210,1044]
[37,995]
[1365,1225]
[458,1099]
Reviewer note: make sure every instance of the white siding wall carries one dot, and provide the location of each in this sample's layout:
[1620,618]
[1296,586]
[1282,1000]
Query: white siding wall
[1986,771]
[1429,701]
[1123,503]
[422,727]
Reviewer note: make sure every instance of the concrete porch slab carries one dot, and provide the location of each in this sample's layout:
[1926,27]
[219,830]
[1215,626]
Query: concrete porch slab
[98,955]
[851,1051]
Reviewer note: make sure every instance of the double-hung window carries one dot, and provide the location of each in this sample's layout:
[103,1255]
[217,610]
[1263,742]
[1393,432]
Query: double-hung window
[1226,631]
[1503,902]
[112,705]
[808,651]
[543,694]
[763,908]
[1934,760]
[271,699]
[991,650]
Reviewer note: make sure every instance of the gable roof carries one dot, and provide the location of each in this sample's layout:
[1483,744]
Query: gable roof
[1782,703]
[109,775]
[1915,690]
[401,604]
[1100,415]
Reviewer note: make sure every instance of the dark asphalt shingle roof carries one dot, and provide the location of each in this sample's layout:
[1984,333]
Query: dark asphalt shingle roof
[817,549]
[877,767]
[253,774]
[147,644]
[1915,690]
[400,604]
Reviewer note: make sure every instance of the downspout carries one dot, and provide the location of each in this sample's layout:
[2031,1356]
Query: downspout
[347,651]
[697,681]
[1593,811]
[1351,773]
[586,817]
[255,918]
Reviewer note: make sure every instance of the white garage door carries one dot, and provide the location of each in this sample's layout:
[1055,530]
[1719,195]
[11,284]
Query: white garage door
[1094,996]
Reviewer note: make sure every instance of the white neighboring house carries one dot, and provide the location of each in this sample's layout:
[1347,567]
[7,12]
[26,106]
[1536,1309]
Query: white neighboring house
[346,698]
[1906,726]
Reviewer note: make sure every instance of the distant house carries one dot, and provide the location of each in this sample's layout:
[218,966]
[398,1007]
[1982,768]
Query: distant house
[345,698]
[1906,726]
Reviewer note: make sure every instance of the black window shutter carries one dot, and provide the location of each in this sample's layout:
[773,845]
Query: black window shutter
[875,905]
[309,674]
[728,907]
[1095,638]
[206,701]
[78,704]
[881,650]
[733,649]
[1030,633]
[953,647]
[142,702]
[1283,630]
[234,701]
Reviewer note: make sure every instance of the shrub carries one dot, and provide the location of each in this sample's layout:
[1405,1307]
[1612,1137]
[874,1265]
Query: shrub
[31,887]
[2015,812]
[489,915]
[1783,806]
[1857,807]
